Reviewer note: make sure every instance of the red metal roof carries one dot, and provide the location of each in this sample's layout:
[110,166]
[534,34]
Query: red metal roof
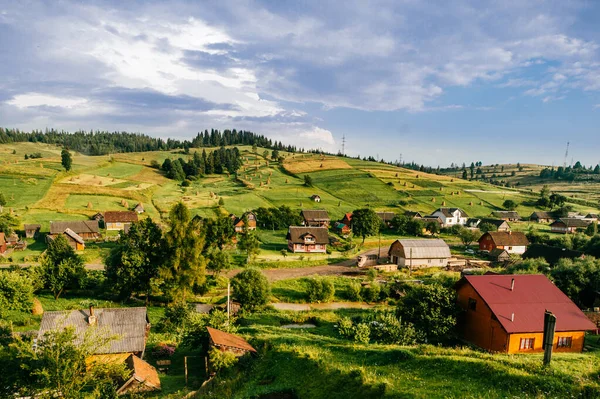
[221,338]
[531,296]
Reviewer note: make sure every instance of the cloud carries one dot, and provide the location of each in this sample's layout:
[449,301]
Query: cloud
[38,100]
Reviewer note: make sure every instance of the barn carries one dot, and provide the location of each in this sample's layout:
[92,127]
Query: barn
[419,253]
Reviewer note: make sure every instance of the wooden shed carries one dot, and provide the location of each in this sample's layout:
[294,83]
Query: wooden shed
[31,230]
[419,253]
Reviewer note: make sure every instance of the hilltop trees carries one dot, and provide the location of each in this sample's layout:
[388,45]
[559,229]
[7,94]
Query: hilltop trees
[66,159]
[365,222]
[223,160]
[61,267]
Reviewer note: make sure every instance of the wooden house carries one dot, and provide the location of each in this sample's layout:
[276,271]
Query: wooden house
[226,342]
[499,224]
[2,243]
[513,242]
[541,217]
[386,217]
[415,253]
[31,230]
[117,220]
[347,219]
[451,216]
[86,229]
[315,198]
[238,223]
[593,217]
[342,229]
[74,240]
[308,239]
[315,218]
[505,313]
[411,214]
[139,208]
[143,377]
[499,256]
[568,225]
[473,223]
[509,216]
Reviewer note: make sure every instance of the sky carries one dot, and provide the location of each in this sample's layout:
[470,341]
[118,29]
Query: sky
[434,82]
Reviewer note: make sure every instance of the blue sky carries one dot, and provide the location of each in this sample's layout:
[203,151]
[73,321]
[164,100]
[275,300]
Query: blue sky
[434,82]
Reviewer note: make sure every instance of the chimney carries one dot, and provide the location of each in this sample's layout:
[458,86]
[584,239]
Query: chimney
[512,317]
[91,318]
[512,284]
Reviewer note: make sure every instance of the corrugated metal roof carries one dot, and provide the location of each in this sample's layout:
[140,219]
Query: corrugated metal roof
[233,341]
[531,296]
[79,227]
[424,248]
[129,324]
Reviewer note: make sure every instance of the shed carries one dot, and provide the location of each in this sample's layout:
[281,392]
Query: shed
[31,230]
[501,225]
[386,217]
[229,342]
[117,220]
[142,378]
[139,208]
[315,217]
[509,216]
[315,198]
[499,255]
[420,253]
[86,229]
[569,225]
[74,240]
[541,217]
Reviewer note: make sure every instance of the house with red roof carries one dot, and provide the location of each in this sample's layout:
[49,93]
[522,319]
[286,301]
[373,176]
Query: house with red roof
[505,313]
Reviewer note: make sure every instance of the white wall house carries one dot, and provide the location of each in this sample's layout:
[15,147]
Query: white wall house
[451,216]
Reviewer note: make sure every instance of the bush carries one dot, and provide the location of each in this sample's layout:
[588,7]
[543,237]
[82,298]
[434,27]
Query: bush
[176,318]
[362,333]
[221,360]
[320,290]
[345,327]
[251,288]
[93,280]
[163,351]
[16,291]
[186,183]
[353,291]
[370,293]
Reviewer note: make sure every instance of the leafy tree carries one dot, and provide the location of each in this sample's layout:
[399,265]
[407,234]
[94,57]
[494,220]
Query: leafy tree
[510,205]
[251,288]
[365,222]
[529,266]
[579,279]
[320,290]
[2,202]
[592,229]
[66,159]
[414,227]
[563,211]
[353,291]
[8,223]
[400,222]
[275,155]
[557,200]
[185,265]
[16,291]
[218,261]
[433,227]
[249,243]
[468,236]
[486,227]
[219,231]
[370,293]
[135,261]
[61,267]
[308,181]
[221,201]
[431,309]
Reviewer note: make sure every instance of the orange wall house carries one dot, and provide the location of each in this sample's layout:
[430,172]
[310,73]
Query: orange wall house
[505,313]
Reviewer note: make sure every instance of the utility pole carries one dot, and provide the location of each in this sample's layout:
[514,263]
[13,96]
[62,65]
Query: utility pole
[228,302]
[379,255]
[548,341]
[344,145]
[410,263]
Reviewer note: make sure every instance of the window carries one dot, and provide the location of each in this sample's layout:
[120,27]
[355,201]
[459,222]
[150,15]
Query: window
[526,343]
[472,304]
[564,342]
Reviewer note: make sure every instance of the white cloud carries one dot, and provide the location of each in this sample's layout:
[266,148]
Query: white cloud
[318,135]
[37,100]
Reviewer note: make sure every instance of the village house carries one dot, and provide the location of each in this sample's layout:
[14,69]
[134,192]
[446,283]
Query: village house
[592,217]
[31,230]
[226,342]
[428,219]
[499,224]
[541,217]
[315,218]
[86,229]
[74,239]
[139,208]
[415,253]
[128,326]
[2,243]
[342,229]
[568,225]
[307,239]
[411,214]
[315,198]
[451,216]
[505,313]
[238,223]
[513,242]
[509,216]
[117,220]
[499,256]
[386,217]
[473,223]
[347,219]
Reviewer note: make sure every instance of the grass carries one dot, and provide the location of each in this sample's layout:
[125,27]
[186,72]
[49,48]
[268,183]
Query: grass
[311,163]
[294,290]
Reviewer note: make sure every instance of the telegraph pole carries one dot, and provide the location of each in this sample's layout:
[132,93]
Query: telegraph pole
[548,341]
[344,145]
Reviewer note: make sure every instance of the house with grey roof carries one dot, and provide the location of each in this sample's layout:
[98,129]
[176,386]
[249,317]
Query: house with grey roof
[418,253]
[451,216]
[86,229]
[315,217]
[307,239]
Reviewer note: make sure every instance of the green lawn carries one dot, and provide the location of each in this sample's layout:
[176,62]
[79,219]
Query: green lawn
[118,170]
[21,191]
[99,203]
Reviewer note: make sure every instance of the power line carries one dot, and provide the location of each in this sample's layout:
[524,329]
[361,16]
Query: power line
[344,145]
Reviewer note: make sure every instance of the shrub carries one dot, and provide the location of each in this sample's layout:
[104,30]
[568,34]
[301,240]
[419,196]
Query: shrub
[251,288]
[186,183]
[176,318]
[345,327]
[353,291]
[16,291]
[370,293]
[320,290]
[221,360]
[362,333]
[163,351]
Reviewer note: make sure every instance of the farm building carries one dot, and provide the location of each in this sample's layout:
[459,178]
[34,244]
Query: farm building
[499,255]
[315,218]
[342,229]
[594,217]
[117,220]
[347,219]
[451,216]
[86,229]
[411,214]
[429,219]
[2,243]
[31,230]
[501,225]
[505,313]
[139,208]
[238,223]
[513,243]
[142,377]
[473,223]
[97,216]
[226,342]
[74,239]
[11,239]
[315,198]
[568,225]
[551,254]
[131,325]
[419,253]
[386,217]
[509,216]
[307,239]
[541,217]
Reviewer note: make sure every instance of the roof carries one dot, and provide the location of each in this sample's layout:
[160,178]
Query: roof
[495,222]
[550,254]
[74,236]
[411,214]
[221,338]
[79,226]
[507,214]
[129,324]
[203,307]
[425,248]
[532,295]
[592,216]
[541,215]
[139,206]
[449,212]
[473,222]
[142,372]
[348,216]
[507,238]
[430,219]
[315,196]
[497,252]
[316,215]
[572,222]
[32,226]
[2,238]
[120,216]
[386,216]
[296,234]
